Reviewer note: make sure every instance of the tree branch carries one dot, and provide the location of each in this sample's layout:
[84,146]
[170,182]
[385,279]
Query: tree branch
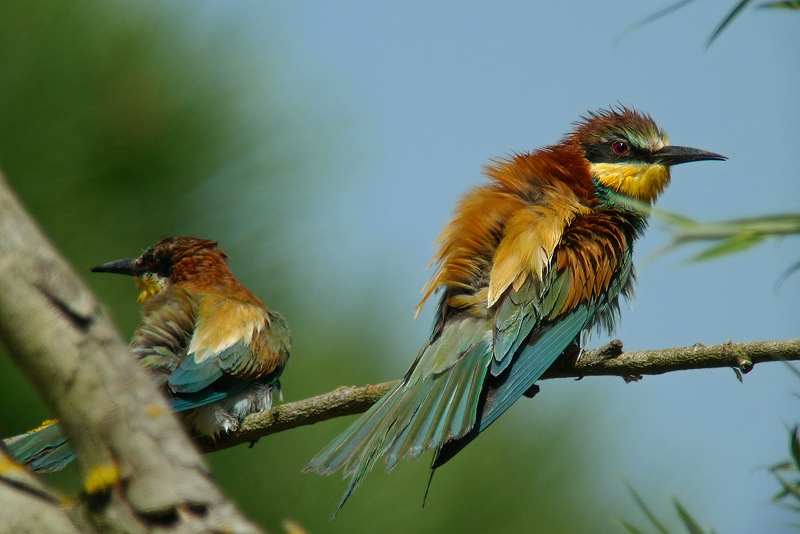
[608,360]
[28,505]
[139,468]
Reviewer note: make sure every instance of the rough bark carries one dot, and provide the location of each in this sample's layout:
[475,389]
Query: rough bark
[29,505]
[140,472]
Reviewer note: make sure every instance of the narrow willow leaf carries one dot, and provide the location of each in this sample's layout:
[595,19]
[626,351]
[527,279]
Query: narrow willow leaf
[790,506]
[781,466]
[688,520]
[729,246]
[650,515]
[781,5]
[788,487]
[647,20]
[735,235]
[630,528]
[724,24]
[789,272]
[795,446]
[792,368]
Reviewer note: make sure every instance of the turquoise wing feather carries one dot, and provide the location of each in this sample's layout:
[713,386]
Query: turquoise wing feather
[192,340]
[192,376]
[531,331]
[160,343]
[532,362]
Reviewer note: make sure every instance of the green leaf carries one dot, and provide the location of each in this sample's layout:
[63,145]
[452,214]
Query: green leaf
[790,506]
[737,9]
[729,246]
[733,236]
[795,446]
[789,488]
[781,466]
[789,272]
[655,16]
[781,5]
[776,225]
[630,528]
[688,520]
[725,23]
[794,369]
[650,515]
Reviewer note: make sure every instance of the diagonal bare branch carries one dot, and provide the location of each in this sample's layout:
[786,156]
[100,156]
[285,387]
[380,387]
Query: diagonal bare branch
[609,360]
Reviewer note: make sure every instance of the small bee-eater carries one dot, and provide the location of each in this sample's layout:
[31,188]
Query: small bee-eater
[212,346]
[529,261]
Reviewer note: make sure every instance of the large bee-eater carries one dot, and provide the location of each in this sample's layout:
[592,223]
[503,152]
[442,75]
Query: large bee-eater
[212,346]
[529,261]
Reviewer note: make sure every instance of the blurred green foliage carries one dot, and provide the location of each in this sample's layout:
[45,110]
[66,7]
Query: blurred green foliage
[787,474]
[727,237]
[730,236]
[124,122]
[689,523]
[732,14]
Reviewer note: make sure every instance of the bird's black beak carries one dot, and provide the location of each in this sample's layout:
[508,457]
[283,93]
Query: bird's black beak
[126,266]
[675,155]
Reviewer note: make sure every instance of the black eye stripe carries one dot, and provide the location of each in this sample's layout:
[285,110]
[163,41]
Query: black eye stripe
[156,263]
[604,151]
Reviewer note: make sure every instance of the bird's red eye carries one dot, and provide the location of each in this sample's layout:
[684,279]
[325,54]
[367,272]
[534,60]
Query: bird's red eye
[620,148]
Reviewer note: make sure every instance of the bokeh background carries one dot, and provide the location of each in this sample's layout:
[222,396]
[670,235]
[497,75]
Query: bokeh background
[324,145]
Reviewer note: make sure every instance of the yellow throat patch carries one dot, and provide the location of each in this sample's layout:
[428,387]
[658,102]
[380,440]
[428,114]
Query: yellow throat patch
[150,285]
[638,180]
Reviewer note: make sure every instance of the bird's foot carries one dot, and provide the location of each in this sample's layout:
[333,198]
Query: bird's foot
[532,391]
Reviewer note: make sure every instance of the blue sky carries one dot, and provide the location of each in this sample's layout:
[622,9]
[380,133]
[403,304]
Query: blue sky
[431,91]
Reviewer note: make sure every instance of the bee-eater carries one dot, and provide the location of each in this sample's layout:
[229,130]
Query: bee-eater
[529,261]
[212,346]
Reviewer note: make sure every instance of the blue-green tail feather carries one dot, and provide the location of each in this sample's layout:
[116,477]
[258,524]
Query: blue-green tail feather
[43,450]
[47,449]
[435,403]
[533,360]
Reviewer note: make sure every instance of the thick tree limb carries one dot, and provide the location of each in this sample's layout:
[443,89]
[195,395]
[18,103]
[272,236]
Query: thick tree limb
[140,471]
[609,360]
[28,505]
